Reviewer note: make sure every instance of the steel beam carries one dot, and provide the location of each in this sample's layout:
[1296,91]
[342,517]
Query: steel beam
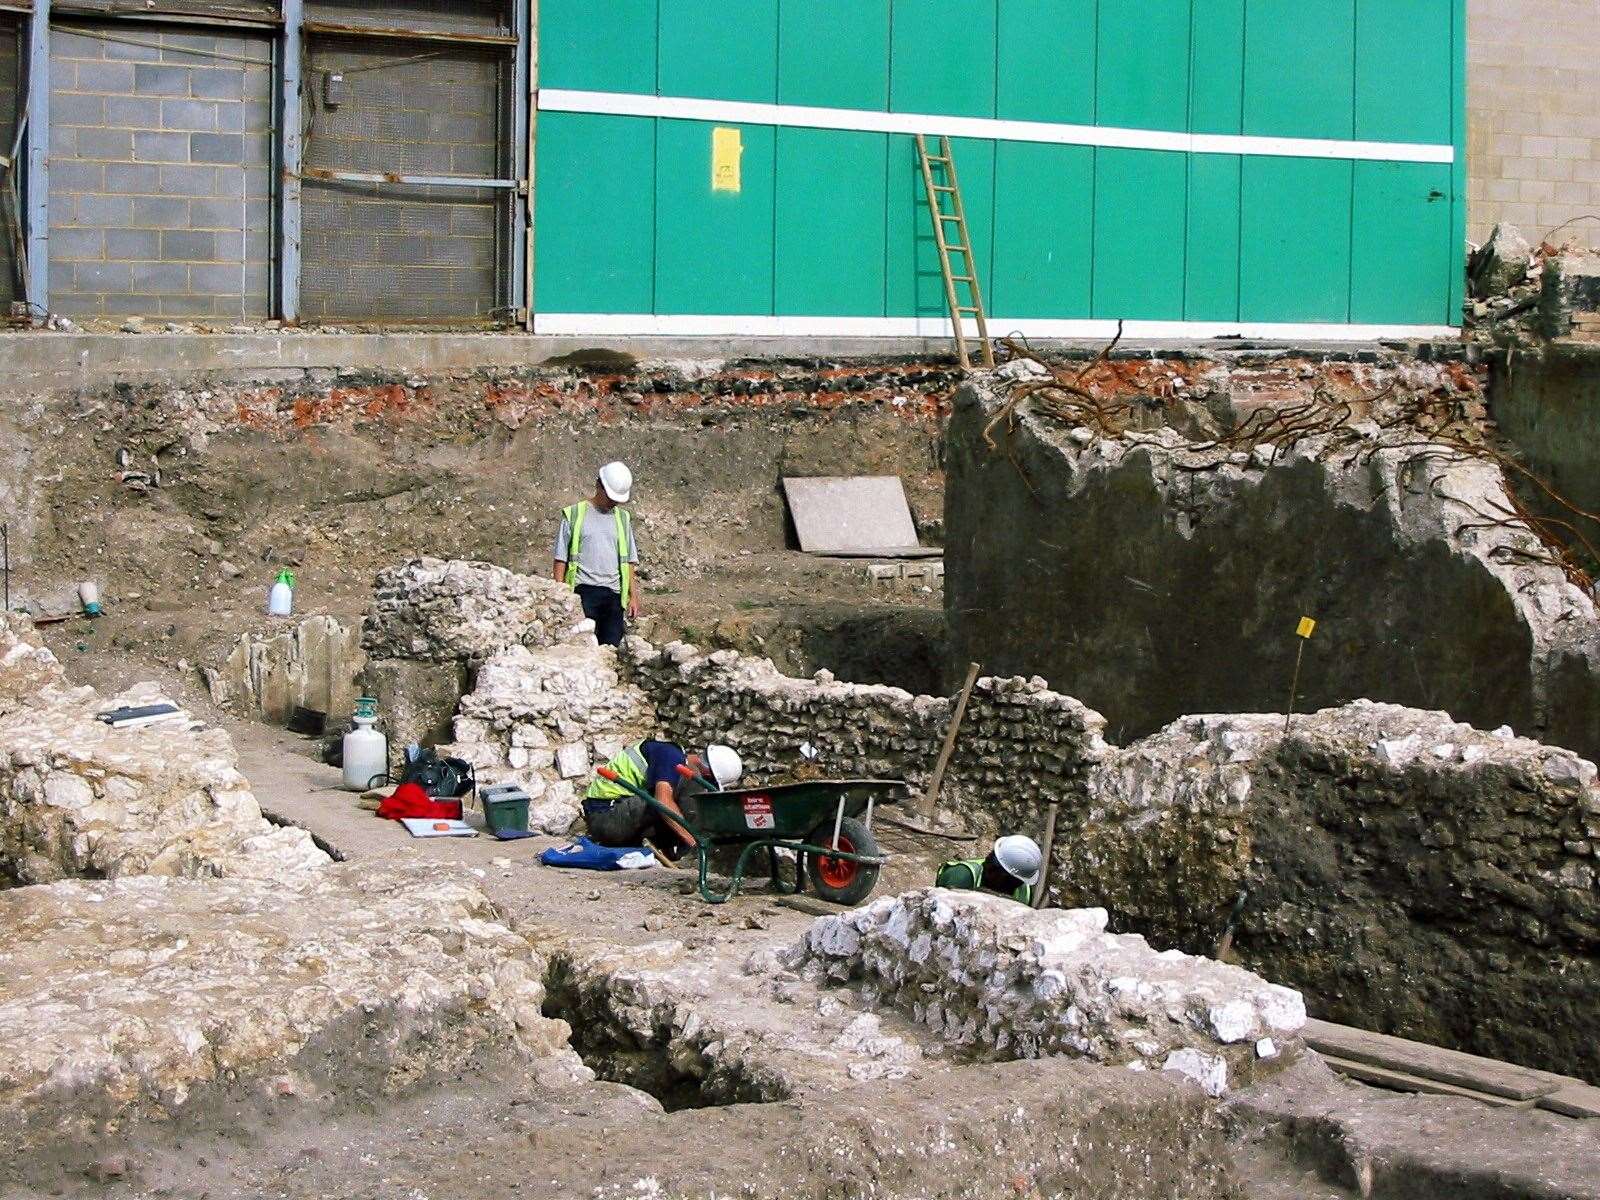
[291,151]
[518,208]
[466,181]
[529,290]
[444,36]
[38,176]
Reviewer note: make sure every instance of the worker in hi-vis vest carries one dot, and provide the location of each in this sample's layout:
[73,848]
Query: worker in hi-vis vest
[1011,869]
[596,554]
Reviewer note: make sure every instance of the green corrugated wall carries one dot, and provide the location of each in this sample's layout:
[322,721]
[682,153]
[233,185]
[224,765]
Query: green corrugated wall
[833,223]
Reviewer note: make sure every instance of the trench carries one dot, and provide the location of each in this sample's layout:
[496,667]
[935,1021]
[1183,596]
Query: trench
[666,1051]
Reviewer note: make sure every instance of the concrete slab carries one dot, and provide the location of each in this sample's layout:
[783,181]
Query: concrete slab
[865,514]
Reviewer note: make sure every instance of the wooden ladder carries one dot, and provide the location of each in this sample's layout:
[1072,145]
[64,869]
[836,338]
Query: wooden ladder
[957,216]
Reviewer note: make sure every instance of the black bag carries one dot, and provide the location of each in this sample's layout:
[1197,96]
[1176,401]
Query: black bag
[440,778]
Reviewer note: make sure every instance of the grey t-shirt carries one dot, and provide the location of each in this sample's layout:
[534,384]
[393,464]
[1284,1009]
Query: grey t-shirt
[598,565]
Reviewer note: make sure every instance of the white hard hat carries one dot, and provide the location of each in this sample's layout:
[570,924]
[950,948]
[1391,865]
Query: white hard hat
[725,765]
[617,481]
[1020,857]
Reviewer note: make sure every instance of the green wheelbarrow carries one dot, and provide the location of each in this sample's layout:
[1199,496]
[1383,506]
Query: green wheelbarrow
[826,822]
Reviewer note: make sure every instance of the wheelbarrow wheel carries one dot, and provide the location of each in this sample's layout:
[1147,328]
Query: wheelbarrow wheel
[841,880]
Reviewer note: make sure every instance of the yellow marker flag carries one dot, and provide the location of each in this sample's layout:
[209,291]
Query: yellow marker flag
[1307,627]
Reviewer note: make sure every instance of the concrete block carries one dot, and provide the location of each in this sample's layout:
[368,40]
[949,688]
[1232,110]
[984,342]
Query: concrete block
[189,115]
[216,83]
[188,246]
[188,306]
[230,118]
[229,246]
[125,179]
[216,279]
[65,44]
[160,212]
[102,277]
[153,146]
[188,181]
[73,243]
[159,279]
[106,78]
[114,144]
[124,52]
[115,212]
[63,142]
[71,108]
[217,214]
[133,245]
[216,148]
[76,177]
[133,112]
[153,80]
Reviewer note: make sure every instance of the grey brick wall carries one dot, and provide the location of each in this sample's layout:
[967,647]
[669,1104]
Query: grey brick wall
[160,176]
[1533,111]
[10,97]
[393,251]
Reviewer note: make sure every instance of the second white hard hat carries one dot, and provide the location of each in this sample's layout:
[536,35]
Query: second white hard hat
[1020,857]
[617,481]
[725,765]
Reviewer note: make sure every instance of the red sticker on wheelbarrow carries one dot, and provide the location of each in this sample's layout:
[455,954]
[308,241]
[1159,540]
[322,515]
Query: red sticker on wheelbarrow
[758,812]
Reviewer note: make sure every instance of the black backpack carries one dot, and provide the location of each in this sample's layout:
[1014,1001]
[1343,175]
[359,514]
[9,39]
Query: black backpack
[440,778]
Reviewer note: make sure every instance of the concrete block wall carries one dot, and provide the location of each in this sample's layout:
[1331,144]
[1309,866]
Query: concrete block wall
[399,251]
[10,96]
[1533,134]
[160,173]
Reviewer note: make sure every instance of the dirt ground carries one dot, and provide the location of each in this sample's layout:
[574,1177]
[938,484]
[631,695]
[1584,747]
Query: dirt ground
[182,504]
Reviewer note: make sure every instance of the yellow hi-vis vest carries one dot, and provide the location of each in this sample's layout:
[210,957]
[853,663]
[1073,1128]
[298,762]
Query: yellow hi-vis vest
[629,764]
[949,876]
[575,514]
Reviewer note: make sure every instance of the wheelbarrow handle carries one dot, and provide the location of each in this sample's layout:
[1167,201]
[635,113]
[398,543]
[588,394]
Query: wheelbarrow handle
[687,771]
[608,773]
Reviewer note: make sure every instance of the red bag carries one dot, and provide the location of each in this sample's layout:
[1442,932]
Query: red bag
[409,800]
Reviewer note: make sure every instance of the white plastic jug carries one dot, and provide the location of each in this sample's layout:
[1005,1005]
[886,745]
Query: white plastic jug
[280,598]
[366,754]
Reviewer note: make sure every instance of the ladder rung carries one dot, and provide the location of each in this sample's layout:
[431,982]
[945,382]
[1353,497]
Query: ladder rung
[943,187]
[949,216]
[937,158]
[967,308]
[956,246]
[962,279]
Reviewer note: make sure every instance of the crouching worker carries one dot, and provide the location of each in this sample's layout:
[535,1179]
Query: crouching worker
[1011,869]
[618,816]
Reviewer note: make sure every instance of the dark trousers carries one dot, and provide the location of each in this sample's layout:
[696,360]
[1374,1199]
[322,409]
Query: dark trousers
[604,607]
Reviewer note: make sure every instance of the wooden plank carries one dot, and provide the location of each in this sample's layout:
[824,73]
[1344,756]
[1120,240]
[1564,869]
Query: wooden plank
[1429,1062]
[1401,1081]
[1573,1100]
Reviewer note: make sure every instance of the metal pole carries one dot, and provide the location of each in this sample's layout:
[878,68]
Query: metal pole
[533,126]
[516,219]
[1294,688]
[930,801]
[1049,846]
[38,177]
[291,153]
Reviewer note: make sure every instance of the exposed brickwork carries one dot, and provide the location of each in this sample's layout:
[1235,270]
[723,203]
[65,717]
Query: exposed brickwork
[395,250]
[160,174]
[1534,125]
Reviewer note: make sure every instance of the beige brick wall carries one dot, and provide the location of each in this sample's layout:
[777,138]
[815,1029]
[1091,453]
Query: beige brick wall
[1533,116]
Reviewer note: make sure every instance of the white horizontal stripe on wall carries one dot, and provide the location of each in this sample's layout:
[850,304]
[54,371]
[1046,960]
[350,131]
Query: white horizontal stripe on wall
[646,324]
[734,112]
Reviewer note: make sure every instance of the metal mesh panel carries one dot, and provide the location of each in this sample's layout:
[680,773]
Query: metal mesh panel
[398,251]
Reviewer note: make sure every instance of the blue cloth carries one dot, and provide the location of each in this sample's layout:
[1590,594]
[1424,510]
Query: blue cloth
[588,856]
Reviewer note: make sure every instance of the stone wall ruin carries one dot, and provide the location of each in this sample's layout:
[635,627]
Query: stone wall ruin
[1156,562]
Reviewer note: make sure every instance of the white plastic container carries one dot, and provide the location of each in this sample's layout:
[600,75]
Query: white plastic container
[366,754]
[89,594]
[280,598]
